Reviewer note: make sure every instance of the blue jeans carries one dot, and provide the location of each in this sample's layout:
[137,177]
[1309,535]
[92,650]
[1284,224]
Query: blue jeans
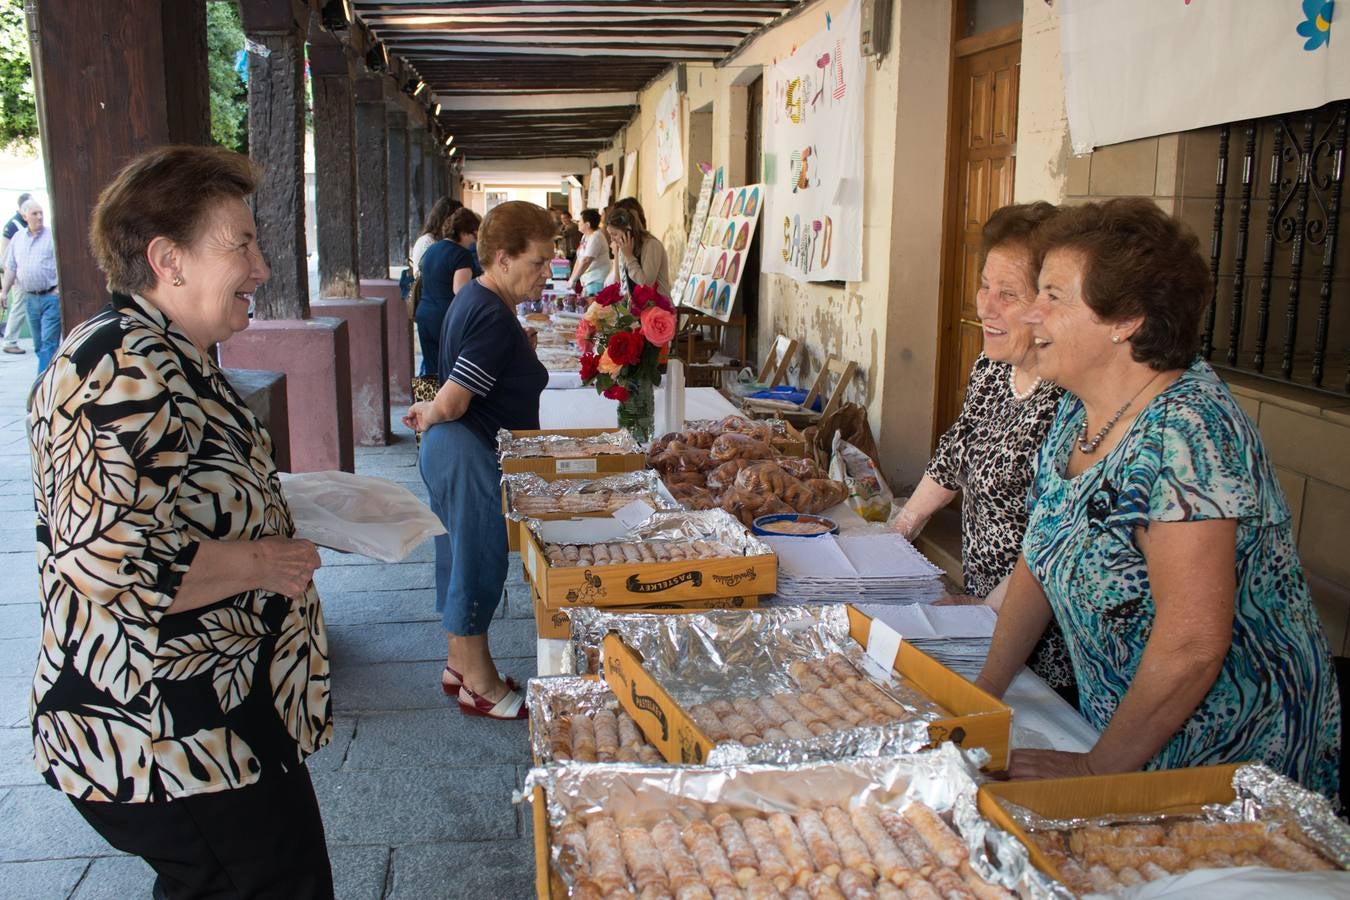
[464,484]
[44,320]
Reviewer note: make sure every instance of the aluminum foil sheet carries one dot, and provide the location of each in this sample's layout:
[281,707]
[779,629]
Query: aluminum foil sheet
[707,655]
[549,698]
[562,445]
[778,427]
[645,795]
[684,525]
[528,484]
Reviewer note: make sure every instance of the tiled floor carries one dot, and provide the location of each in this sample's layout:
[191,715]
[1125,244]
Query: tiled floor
[416,798]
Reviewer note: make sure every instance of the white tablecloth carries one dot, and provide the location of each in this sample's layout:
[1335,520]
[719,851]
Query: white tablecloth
[584,408]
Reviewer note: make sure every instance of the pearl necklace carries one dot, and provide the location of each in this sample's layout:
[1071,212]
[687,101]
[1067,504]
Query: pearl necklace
[1090,446]
[1012,386]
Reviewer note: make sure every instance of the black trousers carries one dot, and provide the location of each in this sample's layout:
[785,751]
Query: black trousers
[261,841]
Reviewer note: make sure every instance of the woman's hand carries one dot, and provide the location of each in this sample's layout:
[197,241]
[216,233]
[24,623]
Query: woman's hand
[1048,764]
[623,244]
[421,416]
[907,523]
[284,565]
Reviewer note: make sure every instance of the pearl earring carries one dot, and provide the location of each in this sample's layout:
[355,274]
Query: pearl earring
[1115,339]
[178,281]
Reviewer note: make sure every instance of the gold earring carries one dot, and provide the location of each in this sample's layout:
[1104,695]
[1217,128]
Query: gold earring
[178,281]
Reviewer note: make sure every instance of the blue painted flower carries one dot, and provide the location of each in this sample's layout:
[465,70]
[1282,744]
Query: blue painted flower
[1317,27]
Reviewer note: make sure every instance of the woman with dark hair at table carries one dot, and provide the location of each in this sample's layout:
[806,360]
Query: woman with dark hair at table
[639,257]
[447,266]
[493,380]
[183,677]
[1159,538]
[433,229]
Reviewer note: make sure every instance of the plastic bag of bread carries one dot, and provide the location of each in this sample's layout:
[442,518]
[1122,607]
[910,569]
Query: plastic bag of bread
[660,444]
[868,493]
[815,495]
[800,467]
[748,506]
[692,478]
[701,439]
[693,496]
[724,476]
[679,456]
[734,424]
[739,446]
[765,478]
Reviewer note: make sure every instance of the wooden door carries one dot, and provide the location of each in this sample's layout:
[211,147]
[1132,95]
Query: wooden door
[748,296]
[983,140]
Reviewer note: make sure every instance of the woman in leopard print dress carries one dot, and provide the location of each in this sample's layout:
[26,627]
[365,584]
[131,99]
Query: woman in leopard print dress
[988,452]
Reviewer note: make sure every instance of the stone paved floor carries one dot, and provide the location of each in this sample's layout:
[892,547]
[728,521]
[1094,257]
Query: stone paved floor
[416,798]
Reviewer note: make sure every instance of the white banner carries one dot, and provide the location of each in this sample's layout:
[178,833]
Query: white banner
[669,140]
[629,186]
[813,157]
[1147,67]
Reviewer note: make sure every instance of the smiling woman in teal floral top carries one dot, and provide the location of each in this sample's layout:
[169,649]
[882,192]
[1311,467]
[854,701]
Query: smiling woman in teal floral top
[1159,538]
[183,675]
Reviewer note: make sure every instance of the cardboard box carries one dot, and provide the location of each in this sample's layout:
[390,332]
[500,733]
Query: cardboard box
[581,467]
[515,529]
[792,443]
[977,720]
[1168,792]
[645,584]
[554,624]
[547,883]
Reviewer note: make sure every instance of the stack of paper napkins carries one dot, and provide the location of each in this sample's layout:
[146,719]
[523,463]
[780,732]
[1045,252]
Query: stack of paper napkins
[879,567]
[956,636]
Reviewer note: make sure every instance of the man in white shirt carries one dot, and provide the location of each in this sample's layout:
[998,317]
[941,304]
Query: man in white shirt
[17,314]
[30,260]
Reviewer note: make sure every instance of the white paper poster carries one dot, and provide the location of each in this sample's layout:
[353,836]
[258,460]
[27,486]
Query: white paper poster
[629,186]
[593,189]
[712,182]
[669,140]
[1151,67]
[575,201]
[607,192]
[813,156]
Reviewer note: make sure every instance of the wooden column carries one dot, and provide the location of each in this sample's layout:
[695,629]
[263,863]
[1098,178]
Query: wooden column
[397,123]
[113,80]
[335,167]
[418,203]
[429,169]
[276,132]
[372,179]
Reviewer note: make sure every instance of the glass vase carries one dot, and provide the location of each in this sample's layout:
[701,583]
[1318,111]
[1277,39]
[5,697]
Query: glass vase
[638,412]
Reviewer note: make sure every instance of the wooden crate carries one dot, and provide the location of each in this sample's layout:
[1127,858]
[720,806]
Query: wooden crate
[580,467]
[1168,792]
[645,584]
[977,720]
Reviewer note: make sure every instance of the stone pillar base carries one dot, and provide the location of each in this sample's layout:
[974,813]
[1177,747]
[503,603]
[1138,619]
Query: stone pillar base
[366,334]
[399,337]
[314,356]
[265,394]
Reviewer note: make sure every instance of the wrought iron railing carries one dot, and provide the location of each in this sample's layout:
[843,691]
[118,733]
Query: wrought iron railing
[1289,169]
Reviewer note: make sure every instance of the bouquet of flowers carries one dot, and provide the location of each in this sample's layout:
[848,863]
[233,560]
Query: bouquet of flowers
[621,340]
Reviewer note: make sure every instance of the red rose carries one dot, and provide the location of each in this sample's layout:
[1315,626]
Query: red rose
[590,366]
[609,295]
[646,296]
[625,347]
[616,392]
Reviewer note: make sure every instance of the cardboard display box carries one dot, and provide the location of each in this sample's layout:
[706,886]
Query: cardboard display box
[645,584]
[514,530]
[977,720]
[555,624]
[579,467]
[1169,792]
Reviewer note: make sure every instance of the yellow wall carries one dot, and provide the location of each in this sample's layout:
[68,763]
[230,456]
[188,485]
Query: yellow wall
[887,322]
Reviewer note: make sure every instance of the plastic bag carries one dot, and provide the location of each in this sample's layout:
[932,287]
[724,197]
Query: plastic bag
[868,493]
[358,514]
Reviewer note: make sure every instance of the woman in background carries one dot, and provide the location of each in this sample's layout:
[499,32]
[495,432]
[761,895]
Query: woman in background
[447,266]
[433,229]
[639,258]
[588,276]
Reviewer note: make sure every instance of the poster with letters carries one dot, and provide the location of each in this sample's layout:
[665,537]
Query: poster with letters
[813,156]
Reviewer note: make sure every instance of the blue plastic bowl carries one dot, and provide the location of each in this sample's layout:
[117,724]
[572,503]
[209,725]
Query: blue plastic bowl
[764,525]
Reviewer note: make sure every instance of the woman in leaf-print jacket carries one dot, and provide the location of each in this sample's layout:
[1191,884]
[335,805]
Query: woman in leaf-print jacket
[183,673]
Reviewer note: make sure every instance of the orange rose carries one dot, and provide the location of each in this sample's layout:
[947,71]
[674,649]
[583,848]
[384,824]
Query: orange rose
[658,326]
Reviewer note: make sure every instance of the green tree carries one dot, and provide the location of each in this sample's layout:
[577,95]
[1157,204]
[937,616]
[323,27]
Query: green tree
[229,93]
[18,105]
